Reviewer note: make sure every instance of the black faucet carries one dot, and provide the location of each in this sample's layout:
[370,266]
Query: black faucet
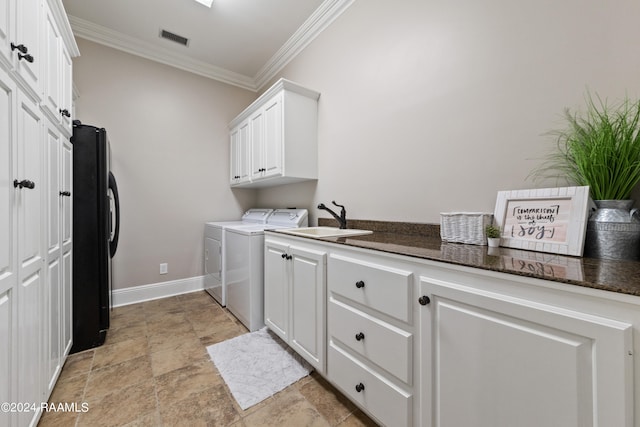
[342,219]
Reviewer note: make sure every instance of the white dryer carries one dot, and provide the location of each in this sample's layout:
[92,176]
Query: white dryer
[244,264]
[214,274]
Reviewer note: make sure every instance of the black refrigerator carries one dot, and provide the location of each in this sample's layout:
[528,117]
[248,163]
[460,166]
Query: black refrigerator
[96,225]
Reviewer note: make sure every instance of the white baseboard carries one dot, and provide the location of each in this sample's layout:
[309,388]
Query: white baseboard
[153,291]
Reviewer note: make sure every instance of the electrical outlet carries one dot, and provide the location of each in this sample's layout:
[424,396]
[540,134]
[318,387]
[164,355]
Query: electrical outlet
[164,268]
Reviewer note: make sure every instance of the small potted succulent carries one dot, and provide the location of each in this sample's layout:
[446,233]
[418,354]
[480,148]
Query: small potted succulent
[493,235]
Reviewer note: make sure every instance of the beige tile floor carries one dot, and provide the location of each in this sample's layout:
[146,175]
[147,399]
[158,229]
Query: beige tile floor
[154,370]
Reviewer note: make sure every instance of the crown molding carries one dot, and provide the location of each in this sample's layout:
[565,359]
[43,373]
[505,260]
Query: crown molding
[99,34]
[328,12]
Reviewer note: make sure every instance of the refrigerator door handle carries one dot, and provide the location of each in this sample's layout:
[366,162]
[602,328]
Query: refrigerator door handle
[113,244]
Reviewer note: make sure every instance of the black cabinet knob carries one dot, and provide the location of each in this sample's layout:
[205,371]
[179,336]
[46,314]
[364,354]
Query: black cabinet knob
[27,57]
[289,257]
[359,284]
[25,183]
[65,112]
[65,193]
[20,47]
[424,300]
[284,256]
[359,336]
[359,387]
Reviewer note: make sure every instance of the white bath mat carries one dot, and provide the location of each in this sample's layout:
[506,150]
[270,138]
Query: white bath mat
[256,366]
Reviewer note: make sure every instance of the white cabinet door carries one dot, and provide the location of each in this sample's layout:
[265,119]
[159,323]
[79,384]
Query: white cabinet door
[276,288]
[273,137]
[57,78]
[65,191]
[234,155]
[8,276]
[515,362]
[307,334]
[267,140]
[256,124]
[53,291]
[294,298]
[240,159]
[51,61]
[7,191]
[66,91]
[66,224]
[27,34]
[6,12]
[31,274]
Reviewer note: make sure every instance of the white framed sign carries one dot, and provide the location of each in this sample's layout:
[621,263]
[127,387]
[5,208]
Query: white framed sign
[544,219]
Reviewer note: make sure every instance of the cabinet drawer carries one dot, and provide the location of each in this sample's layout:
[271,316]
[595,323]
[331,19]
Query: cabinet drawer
[377,286]
[388,403]
[383,344]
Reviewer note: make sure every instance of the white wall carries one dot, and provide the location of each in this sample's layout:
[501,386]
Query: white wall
[426,106]
[170,147]
[434,106]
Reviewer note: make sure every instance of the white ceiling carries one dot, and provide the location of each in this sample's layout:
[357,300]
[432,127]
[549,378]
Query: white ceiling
[240,42]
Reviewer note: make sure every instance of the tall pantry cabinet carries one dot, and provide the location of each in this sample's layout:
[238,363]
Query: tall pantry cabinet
[36,47]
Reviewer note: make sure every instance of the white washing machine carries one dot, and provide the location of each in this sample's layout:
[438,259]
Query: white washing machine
[244,264]
[214,274]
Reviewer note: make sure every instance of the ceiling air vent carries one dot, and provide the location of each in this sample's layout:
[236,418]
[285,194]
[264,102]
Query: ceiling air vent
[174,37]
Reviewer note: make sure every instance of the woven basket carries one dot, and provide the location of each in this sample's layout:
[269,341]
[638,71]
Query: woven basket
[464,227]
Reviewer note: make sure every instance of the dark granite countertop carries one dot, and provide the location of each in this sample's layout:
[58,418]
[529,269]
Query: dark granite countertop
[423,241]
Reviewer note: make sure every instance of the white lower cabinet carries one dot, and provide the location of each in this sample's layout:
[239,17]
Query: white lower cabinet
[420,343]
[507,360]
[370,332]
[294,303]
[373,392]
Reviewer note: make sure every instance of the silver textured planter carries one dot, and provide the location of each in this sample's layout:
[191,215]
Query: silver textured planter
[613,231]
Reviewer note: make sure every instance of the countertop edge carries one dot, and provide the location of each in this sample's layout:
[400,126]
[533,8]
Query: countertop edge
[425,243]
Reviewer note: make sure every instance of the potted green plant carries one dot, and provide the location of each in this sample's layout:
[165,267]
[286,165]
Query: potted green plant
[493,235]
[600,148]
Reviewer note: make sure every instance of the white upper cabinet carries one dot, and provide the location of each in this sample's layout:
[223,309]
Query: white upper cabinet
[272,142]
[25,45]
[240,161]
[57,81]
[280,137]
[66,90]
[51,44]
[36,46]
[5,28]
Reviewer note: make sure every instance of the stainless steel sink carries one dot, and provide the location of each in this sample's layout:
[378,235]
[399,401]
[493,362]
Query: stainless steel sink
[320,232]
